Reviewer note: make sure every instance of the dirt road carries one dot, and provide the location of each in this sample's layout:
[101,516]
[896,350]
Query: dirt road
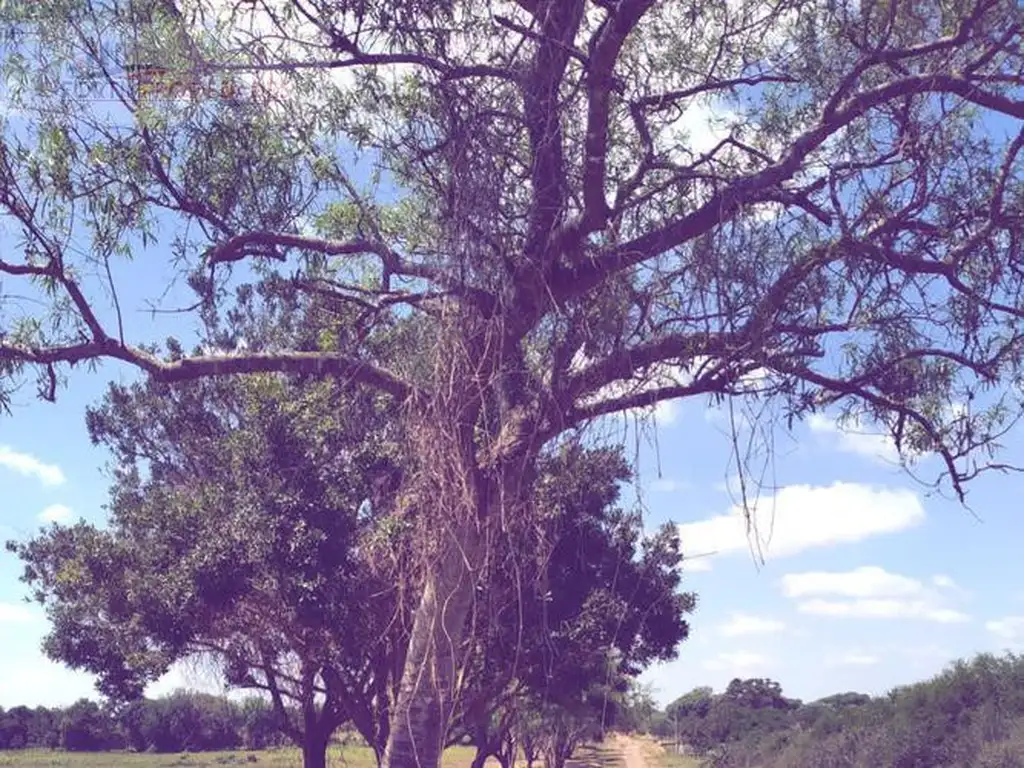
[635,753]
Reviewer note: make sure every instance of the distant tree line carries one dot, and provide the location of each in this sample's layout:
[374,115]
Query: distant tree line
[969,716]
[180,722]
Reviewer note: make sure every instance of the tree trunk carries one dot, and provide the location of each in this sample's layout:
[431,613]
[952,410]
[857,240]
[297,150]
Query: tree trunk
[314,747]
[480,757]
[420,719]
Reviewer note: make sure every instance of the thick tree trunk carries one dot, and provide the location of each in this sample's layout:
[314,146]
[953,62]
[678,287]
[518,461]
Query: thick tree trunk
[314,748]
[420,719]
[480,757]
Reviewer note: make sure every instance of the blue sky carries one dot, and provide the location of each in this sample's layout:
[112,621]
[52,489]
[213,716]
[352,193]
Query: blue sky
[867,581]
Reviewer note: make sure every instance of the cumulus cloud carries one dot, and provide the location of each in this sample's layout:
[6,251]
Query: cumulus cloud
[852,436]
[17,613]
[29,466]
[1009,628]
[801,517]
[868,592]
[742,624]
[866,581]
[55,513]
[701,127]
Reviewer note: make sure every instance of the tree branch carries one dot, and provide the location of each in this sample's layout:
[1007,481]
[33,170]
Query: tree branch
[559,22]
[604,53]
[189,368]
[758,187]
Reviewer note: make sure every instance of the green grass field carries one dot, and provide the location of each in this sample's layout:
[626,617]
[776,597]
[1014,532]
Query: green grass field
[599,756]
[338,757]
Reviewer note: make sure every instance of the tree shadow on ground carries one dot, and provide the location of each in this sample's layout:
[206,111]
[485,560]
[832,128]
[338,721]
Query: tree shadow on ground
[597,756]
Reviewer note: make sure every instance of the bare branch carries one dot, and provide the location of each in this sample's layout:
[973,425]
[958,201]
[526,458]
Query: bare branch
[189,368]
[762,185]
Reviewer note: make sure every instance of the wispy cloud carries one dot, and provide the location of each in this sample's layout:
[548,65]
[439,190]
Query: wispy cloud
[737,662]
[743,624]
[55,513]
[868,592]
[17,613]
[1010,629]
[29,466]
[802,517]
[852,436]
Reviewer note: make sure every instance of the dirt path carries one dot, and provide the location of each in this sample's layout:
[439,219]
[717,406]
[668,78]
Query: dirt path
[635,753]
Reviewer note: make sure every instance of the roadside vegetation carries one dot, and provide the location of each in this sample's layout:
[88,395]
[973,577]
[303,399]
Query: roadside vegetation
[969,716]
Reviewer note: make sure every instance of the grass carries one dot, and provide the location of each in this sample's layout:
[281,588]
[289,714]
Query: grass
[338,757]
[658,756]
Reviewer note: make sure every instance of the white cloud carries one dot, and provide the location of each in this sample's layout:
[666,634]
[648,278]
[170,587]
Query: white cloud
[742,624]
[882,609]
[666,485]
[29,466]
[851,436]
[1008,628]
[737,662]
[55,513]
[801,517]
[870,593]
[866,581]
[696,564]
[943,582]
[17,613]
[701,126]
[854,659]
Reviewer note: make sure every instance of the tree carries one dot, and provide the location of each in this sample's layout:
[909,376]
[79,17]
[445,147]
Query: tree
[219,481]
[757,693]
[561,243]
[85,727]
[639,713]
[254,493]
[15,727]
[605,604]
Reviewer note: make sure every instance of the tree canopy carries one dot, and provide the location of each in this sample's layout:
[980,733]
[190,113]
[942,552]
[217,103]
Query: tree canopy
[554,230]
[270,500]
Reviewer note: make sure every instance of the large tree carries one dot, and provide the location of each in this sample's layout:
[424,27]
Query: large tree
[242,515]
[270,501]
[600,606]
[850,238]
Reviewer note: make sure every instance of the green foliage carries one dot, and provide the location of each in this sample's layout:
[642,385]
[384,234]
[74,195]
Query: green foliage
[84,727]
[970,715]
[180,722]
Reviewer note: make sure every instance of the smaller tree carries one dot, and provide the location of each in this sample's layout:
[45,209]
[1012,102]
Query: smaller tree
[16,728]
[561,727]
[86,727]
[637,711]
[757,693]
